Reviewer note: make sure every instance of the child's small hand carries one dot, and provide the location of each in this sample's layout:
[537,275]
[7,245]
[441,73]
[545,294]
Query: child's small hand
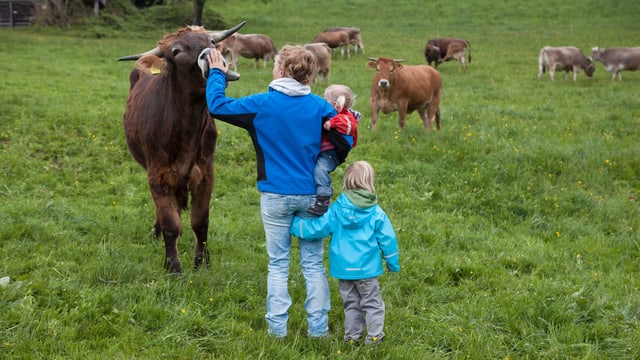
[327,125]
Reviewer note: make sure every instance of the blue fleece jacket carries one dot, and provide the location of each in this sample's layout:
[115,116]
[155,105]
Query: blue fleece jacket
[285,125]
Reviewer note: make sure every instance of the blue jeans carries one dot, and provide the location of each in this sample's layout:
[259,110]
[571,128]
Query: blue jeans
[326,163]
[277,215]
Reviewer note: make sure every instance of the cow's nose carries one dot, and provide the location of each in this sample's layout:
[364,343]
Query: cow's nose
[204,54]
[203,63]
[383,83]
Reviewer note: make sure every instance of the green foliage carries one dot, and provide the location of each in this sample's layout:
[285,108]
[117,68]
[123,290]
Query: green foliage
[122,19]
[518,222]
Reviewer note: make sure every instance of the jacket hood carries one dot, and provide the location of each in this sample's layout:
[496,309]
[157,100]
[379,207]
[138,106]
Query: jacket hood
[353,214]
[289,86]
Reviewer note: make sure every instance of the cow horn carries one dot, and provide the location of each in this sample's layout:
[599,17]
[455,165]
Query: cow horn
[373,59]
[155,51]
[219,36]
[232,75]
[215,37]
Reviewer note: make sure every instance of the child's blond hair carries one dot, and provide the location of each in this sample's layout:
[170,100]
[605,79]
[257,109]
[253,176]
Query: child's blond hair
[339,96]
[359,176]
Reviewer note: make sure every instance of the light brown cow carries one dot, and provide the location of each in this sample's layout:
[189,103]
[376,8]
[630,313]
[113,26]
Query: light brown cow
[405,88]
[354,36]
[335,39]
[250,46]
[567,58]
[322,53]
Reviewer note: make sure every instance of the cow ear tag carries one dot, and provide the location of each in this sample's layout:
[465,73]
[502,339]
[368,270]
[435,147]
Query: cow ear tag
[155,71]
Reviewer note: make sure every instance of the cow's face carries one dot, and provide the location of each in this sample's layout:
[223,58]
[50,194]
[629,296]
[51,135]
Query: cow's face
[590,69]
[183,53]
[596,52]
[432,53]
[385,69]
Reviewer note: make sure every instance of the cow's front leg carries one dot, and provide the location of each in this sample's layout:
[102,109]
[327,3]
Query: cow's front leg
[200,229]
[426,121]
[199,216]
[171,227]
[402,113]
[374,116]
[402,118]
[168,222]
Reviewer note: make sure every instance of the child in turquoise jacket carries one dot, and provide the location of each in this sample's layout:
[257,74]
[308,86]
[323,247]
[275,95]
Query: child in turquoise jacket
[361,236]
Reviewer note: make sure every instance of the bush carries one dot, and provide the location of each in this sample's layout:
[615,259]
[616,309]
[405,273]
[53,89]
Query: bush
[121,18]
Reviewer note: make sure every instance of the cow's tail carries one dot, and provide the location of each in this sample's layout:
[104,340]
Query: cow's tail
[542,66]
[438,119]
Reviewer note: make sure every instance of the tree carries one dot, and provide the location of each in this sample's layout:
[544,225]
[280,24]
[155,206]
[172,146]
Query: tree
[198,8]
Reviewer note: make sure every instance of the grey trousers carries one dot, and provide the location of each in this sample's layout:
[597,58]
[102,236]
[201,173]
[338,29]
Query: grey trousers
[363,307]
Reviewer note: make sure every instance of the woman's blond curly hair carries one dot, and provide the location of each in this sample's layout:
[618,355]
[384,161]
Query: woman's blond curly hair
[297,62]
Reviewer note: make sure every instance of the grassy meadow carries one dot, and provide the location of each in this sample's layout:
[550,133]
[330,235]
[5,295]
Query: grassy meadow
[518,222]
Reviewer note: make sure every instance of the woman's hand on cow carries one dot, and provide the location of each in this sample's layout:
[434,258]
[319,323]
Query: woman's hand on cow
[216,61]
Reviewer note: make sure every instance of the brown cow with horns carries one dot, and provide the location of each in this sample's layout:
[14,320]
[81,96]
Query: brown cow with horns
[405,88]
[170,133]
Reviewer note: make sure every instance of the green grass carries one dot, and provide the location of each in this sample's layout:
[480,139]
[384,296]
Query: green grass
[518,222]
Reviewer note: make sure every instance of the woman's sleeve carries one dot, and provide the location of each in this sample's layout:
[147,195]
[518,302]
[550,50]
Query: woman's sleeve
[239,112]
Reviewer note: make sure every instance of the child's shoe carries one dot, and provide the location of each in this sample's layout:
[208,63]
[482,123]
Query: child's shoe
[320,206]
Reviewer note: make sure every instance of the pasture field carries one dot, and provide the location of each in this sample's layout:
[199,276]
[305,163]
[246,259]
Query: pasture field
[518,222]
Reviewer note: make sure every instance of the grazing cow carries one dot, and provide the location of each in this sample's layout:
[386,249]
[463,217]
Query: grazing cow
[617,59]
[335,39]
[567,58]
[445,49]
[322,53]
[250,46]
[405,88]
[354,36]
[170,133]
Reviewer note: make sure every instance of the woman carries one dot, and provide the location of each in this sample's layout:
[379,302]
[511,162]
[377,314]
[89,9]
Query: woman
[285,126]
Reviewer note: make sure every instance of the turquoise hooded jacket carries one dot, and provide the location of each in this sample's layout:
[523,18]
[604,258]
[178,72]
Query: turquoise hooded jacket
[360,238]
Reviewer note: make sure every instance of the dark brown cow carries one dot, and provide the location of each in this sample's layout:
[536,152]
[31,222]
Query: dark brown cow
[322,53]
[617,59]
[445,49]
[170,133]
[250,46]
[354,36]
[567,58]
[335,39]
[405,88]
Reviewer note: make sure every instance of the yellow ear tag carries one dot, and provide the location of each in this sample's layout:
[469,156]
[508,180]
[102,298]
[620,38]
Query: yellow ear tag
[154,70]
